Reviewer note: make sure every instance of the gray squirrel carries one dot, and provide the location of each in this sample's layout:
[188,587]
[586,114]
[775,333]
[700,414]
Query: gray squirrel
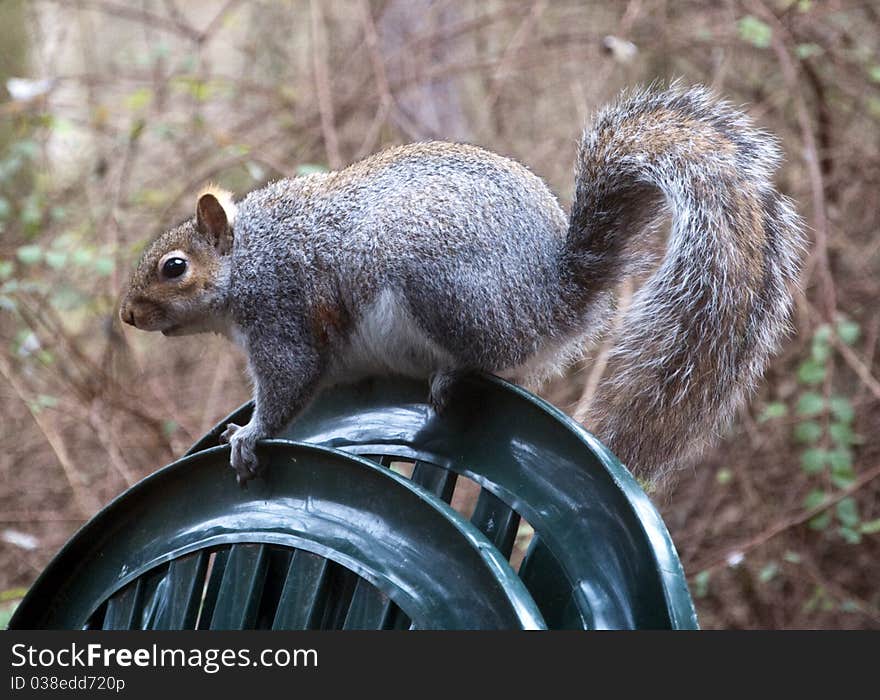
[433,259]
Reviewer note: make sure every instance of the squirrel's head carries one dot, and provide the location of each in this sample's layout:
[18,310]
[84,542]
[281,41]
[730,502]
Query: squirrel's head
[180,282]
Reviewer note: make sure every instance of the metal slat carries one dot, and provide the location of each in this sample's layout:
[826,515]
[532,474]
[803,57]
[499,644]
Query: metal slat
[370,609]
[183,585]
[497,521]
[341,583]
[398,620]
[437,480]
[302,598]
[212,588]
[239,597]
[542,574]
[123,607]
[155,589]
[276,574]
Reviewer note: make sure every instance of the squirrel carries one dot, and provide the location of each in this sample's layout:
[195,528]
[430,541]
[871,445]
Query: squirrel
[433,259]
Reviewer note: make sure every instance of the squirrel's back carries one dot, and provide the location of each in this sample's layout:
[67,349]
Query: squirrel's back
[465,241]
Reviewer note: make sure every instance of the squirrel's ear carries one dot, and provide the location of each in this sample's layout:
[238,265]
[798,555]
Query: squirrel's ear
[215,213]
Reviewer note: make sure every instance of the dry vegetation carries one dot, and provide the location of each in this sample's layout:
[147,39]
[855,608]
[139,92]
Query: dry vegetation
[146,100]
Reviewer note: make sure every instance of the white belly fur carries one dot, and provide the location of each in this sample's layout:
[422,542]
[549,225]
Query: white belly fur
[387,340]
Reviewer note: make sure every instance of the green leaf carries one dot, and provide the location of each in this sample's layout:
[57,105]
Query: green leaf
[847,512]
[821,521]
[754,31]
[819,600]
[840,460]
[848,331]
[813,460]
[104,266]
[813,602]
[820,351]
[874,73]
[723,476]
[6,612]
[139,99]
[810,404]
[871,527]
[701,583]
[842,409]
[849,535]
[194,86]
[811,372]
[842,434]
[309,168]
[6,269]
[775,409]
[169,427]
[843,480]
[82,257]
[29,254]
[768,572]
[792,557]
[809,432]
[814,498]
[46,401]
[822,334]
[61,126]
[13,594]
[67,298]
[255,170]
[808,50]
[31,212]
[56,259]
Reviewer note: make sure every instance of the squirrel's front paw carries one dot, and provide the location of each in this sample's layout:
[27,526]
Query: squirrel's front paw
[231,429]
[243,457]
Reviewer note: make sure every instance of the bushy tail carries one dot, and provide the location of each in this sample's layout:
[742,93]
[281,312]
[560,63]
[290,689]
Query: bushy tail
[699,332]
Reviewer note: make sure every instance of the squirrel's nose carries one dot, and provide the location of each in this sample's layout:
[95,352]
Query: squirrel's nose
[127,316]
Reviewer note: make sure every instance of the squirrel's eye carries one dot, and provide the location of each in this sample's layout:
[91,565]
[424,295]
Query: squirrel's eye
[173,267]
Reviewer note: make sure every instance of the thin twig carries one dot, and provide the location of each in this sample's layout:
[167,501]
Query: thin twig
[86,502]
[387,104]
[104,433]
[134,14]
[857,366]
[208,32]
[811,157]
[503,71]
[322,85]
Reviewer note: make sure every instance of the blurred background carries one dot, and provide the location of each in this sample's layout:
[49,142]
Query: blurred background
[115,112]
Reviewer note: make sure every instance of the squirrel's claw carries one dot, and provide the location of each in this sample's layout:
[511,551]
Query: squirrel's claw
[243,457]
